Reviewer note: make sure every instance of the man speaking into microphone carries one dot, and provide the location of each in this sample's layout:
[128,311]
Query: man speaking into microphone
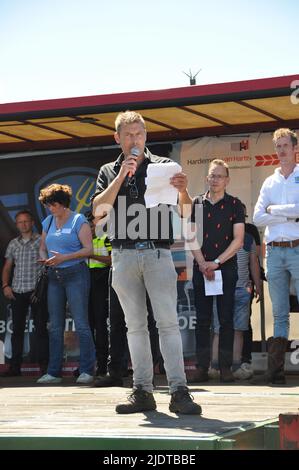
[142,261]
[135,152]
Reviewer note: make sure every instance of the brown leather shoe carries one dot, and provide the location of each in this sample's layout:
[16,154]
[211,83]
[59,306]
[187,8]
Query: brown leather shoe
[108,381]
[200,375]
[226,375]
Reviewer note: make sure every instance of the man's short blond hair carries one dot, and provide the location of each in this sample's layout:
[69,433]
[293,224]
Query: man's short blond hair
[128,117]
[218,162]
[285,132]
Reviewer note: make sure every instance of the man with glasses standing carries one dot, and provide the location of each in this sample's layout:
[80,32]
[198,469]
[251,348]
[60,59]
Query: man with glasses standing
[142,262]
[222,237]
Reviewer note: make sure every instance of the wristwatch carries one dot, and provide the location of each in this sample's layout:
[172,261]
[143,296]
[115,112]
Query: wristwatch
[217,261]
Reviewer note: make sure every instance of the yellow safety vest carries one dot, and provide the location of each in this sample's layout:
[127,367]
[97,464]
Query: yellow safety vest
[101,247]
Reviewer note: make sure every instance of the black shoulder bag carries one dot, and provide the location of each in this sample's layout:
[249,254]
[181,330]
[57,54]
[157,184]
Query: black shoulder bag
[39,295]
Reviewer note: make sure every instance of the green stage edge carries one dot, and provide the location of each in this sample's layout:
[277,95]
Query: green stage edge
[263,435]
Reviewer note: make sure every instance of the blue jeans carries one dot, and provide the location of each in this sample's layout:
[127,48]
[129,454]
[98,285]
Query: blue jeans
[241,311]
[70,285]
[133,273]
[282,264]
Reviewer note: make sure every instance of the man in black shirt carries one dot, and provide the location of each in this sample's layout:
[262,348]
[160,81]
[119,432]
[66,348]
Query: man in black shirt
[222,237]
[142,262]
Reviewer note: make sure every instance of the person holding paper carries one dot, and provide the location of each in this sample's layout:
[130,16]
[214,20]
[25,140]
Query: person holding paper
[222,236]
[142,262]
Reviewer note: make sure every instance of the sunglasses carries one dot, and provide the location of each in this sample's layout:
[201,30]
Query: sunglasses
[133,188]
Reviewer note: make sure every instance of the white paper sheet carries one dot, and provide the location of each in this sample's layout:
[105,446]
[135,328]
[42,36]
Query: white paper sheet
[159,190]
[214,287]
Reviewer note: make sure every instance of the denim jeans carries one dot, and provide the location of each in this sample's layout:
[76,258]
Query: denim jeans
[241,311]
[282,264]
[70,285]
[133,273]
[204,317]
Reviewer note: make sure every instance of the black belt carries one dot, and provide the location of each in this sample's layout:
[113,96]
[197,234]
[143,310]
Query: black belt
[143,245]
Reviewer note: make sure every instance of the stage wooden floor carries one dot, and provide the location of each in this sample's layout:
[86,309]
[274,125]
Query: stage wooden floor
[69,410]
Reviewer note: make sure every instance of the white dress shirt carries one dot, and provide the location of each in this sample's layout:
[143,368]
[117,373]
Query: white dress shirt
[282,194]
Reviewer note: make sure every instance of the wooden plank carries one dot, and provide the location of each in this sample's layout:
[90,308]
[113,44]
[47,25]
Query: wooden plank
[72,410]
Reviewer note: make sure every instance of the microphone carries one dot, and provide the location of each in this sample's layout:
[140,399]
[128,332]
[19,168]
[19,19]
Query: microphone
[135,152]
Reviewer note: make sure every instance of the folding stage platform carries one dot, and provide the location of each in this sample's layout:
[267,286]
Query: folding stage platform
[68,416]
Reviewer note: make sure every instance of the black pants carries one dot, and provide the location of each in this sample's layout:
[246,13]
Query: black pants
[204,315]
[118,346]
[247,337]
[39,314]
[98,314]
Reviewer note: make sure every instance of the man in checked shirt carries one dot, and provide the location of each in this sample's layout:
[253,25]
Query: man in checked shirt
[21,258]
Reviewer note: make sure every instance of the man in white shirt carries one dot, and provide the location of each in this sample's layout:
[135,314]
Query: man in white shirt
[277,208]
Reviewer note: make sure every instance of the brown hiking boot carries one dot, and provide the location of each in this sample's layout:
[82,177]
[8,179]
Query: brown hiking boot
[139,400]
[182,402]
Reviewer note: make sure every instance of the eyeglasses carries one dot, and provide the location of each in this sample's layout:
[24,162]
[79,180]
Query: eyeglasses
[134,193]
[217,177]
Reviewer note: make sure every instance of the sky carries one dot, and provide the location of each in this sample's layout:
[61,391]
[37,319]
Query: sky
[68,48]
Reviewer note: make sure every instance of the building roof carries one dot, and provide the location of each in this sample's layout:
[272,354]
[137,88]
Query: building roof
[170,114]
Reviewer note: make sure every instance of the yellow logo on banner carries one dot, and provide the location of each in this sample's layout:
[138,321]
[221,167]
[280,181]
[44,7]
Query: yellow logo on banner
[83,194]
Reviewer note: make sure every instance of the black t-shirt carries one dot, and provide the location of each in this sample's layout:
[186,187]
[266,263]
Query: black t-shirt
[218,224]
[130,216]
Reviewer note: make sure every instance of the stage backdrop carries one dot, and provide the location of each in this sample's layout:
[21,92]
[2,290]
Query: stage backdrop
[250,157]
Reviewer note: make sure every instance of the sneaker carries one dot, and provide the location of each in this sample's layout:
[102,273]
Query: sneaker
[49,379]
[139,400]
[84,378]
[213,373]
[108,381]
[182,402]
[244,372]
